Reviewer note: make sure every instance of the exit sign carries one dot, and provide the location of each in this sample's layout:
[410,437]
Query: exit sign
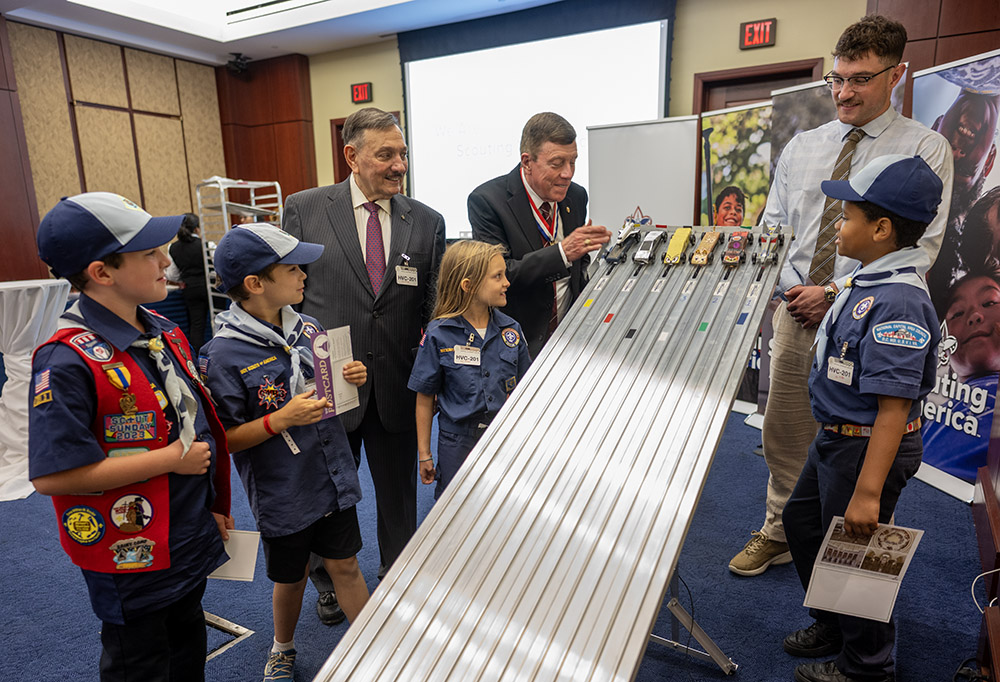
[361,93]
[760,33]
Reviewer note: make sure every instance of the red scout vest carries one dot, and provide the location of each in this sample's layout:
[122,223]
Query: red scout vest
[128,528]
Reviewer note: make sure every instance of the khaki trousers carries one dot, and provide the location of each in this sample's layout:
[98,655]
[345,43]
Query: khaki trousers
[789,427]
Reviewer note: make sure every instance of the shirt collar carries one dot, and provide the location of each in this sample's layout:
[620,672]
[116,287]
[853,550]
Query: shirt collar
[531,193]
[460,322]
[874,127]
[114,329]
[358,197]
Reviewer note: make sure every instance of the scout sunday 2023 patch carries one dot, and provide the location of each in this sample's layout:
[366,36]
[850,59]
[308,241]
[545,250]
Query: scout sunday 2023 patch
[121,428]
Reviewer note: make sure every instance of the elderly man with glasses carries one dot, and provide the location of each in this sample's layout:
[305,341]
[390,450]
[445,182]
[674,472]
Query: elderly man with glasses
[866,68]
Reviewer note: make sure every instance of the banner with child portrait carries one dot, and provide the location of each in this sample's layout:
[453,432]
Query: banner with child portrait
[960,100]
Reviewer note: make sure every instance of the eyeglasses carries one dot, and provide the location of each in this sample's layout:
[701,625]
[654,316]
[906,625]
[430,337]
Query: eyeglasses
[857,82]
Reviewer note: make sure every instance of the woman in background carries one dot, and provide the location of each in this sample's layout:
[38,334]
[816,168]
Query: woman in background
[186,253]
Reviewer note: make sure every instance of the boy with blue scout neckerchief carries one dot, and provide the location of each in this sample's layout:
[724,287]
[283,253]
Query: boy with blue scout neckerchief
[875,361]
[297,467]
[125,440]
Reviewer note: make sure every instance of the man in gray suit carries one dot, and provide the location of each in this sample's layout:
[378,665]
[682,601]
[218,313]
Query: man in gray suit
[377,274]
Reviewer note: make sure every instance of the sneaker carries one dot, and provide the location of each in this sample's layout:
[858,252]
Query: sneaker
[759,553]
[819,639]
[279,665]
[328,609]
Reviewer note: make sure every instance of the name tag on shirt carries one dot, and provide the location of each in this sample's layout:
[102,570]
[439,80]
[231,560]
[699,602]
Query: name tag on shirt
[841,371]
[406,276]
[467,355]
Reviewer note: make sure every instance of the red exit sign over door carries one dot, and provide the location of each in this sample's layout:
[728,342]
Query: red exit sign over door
[760,33]
[361,93]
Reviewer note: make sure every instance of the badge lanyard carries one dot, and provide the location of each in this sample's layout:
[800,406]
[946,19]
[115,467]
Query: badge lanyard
[548,231]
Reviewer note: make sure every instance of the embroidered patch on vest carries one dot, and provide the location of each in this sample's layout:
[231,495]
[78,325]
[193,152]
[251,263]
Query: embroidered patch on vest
[93,346]
[125,427]
[510,337]
[84,525]
[133,553]
[902,334]
[862,308]
[131,513]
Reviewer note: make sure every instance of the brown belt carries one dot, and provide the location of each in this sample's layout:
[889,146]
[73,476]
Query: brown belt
[865,431]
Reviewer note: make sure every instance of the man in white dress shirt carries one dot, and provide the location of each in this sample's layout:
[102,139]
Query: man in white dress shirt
[866,68]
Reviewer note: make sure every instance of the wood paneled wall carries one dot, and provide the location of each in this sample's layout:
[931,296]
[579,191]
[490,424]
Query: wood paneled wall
[267,126]
[942,31]
[100,117]
[18,211]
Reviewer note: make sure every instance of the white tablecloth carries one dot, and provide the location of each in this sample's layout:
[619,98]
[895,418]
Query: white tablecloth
[29,310]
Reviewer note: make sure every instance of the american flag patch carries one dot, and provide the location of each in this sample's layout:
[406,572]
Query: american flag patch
[43,392]
[203,365]
[42,381]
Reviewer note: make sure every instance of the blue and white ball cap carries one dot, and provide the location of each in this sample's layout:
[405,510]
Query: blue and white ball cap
[248,249]
[91,226]
[903,184]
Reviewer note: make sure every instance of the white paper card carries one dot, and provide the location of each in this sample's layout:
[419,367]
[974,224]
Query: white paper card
[861,576]
[242,550]
[331,351]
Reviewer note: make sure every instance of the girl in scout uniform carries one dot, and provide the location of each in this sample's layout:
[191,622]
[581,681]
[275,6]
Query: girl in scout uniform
[470,358]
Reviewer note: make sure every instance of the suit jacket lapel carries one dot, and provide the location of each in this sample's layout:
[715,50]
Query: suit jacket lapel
[519,206]
[345,228]
[399,239]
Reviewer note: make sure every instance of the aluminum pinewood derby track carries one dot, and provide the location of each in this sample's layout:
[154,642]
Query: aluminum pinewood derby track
[549,555]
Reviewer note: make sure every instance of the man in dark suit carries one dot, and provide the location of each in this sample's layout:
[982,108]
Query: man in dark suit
[377,274]
[534,206]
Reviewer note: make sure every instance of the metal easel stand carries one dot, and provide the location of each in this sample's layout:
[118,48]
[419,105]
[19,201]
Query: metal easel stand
[679,617]
[238,631]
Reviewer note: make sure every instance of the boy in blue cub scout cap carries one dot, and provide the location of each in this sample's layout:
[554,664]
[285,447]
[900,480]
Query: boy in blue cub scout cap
[874,363]
[125,440]
[296,466]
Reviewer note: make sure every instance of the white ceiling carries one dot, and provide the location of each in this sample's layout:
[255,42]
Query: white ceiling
[202,30]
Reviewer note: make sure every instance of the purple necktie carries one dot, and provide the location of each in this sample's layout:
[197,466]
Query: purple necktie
[374,249]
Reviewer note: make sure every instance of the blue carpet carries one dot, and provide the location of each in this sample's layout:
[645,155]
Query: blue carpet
[49,633]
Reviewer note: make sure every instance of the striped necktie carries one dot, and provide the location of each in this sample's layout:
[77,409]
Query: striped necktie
[821,268]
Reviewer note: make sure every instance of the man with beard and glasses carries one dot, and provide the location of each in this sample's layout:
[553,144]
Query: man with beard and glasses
[377,274]
[970,126]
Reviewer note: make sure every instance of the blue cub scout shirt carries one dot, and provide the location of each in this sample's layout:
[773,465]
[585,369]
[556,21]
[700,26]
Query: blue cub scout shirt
[288,492]
[891,334]
[467,391]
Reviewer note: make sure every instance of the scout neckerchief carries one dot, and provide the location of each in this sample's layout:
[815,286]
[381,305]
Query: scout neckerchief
[237,323]
[899,267]
[548,228]
[178,392]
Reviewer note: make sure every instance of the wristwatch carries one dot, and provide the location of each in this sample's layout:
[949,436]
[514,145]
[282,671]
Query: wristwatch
[829,293]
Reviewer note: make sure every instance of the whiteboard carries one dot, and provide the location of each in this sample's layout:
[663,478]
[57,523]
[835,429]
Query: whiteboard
[650,164]
[457,143]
